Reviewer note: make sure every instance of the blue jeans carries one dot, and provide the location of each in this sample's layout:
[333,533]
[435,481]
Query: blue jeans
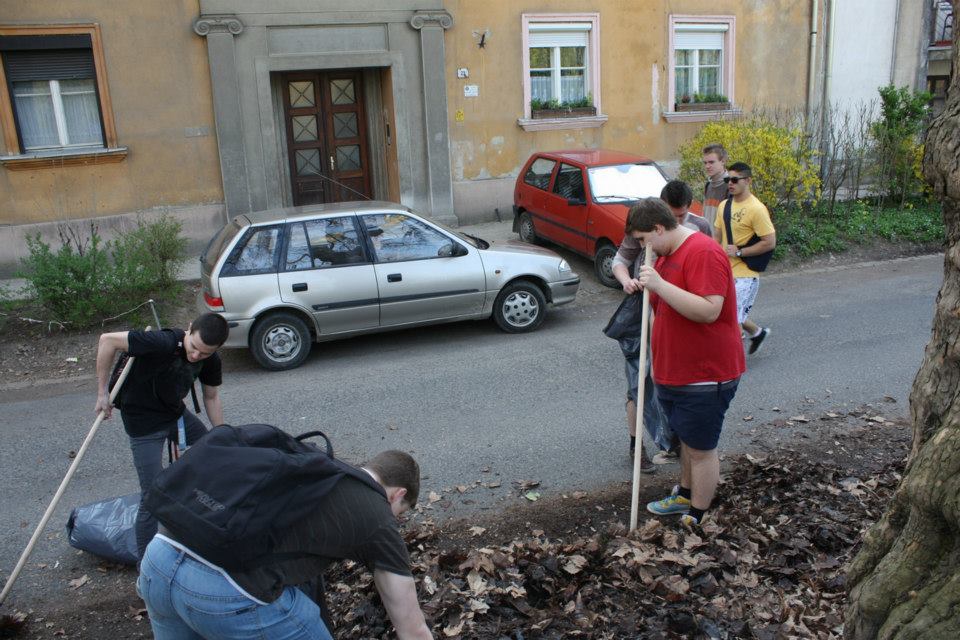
[148,461]
[187,600]
[654,420]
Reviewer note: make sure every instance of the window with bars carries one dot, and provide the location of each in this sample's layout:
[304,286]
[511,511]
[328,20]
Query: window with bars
[700,61]
[52,83]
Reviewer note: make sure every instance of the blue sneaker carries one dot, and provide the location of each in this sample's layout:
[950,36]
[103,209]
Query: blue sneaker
[669,505]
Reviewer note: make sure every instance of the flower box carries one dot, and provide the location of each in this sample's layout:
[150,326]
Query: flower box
[567,112]
[701,106]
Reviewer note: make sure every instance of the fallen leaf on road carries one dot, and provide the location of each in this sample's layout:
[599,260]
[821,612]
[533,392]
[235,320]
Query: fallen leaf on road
[433,496]
[532,496]
[477,531]
[79,582]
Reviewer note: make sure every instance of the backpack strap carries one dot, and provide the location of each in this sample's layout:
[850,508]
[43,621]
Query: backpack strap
[726,219]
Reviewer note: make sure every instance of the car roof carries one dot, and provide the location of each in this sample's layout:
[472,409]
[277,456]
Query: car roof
[596,157]
[314,210]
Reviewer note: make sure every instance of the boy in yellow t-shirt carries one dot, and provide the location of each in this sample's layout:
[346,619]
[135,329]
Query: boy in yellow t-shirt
[748,217]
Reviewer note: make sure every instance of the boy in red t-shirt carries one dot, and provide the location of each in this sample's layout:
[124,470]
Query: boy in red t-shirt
[697,351]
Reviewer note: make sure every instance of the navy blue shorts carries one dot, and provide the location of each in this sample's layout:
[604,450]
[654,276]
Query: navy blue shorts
[695,412]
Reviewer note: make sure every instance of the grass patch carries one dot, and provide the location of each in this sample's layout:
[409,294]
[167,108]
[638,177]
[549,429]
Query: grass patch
[811,231]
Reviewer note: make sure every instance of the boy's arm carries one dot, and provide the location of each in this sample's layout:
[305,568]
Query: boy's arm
[107,348]
[212,404]
[399,595]
[704,309]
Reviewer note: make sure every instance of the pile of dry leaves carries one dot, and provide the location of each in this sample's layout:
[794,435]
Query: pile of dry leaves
[768,563]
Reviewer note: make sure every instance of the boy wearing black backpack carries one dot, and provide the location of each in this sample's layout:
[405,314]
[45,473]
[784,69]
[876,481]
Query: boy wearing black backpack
[227,591]
[166,364]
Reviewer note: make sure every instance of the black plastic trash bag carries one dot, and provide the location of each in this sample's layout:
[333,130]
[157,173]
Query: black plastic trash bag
[627,320]
[105,528]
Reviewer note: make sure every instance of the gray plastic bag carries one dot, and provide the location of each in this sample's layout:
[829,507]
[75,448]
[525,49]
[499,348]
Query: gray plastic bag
[106,528]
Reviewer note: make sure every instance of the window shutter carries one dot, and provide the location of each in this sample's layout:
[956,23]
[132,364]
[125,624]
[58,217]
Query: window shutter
[571,34]
[51,64]
[699,39]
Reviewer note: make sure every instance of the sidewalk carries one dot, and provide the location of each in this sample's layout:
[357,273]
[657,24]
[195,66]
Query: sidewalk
[189,268]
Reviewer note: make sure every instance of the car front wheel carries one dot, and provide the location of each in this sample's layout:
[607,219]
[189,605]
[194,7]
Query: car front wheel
[526,231]
[280,341]
[603,265]
[520,307]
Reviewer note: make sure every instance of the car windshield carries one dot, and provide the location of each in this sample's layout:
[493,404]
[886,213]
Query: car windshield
[625,182]
[479,243]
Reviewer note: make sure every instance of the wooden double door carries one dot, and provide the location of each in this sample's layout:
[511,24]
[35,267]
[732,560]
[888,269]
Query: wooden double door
[326,136]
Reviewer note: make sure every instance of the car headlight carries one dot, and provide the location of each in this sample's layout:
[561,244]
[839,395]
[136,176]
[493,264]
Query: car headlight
[564,267]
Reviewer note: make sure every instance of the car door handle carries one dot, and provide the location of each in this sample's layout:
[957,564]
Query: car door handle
[395,277]
[300,286]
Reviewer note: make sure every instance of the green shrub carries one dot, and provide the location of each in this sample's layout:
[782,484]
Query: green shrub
[87,280]
[782,161]
[897,146]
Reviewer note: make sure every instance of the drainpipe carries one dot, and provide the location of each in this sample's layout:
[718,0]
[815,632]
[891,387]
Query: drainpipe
[896,35]
[828,66]
[812,62]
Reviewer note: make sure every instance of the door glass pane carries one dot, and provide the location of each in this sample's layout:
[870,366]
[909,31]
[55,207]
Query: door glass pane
[345,125]
[301,94]
[348,157]
[304,128]
[569,182]
[334,241]
[257,255]
[81,111]
[34,104]
[397,237]
[341,91]
[298,251]
[308,162]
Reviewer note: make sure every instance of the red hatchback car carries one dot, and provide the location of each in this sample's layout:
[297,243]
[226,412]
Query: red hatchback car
[579,200]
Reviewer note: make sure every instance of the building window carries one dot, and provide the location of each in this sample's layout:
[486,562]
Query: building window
[54,102]
[701,62]
[561,70]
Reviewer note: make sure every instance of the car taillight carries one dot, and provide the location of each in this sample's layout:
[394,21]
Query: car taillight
[215,303]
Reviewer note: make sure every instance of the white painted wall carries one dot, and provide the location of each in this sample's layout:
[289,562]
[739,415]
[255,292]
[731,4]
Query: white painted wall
[863,35]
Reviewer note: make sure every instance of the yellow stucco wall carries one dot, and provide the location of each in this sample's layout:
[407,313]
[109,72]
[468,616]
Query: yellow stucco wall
[772,40]
[159,84]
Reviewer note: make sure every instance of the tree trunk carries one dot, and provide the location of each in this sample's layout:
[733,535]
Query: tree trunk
[905,582]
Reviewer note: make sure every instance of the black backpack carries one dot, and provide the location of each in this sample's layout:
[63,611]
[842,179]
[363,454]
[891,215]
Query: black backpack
[235,492]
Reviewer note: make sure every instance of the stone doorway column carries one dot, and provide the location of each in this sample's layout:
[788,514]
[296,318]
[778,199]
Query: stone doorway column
[220,32]
[431,25]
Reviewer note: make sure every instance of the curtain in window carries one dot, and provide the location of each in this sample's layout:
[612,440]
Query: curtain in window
[38,122]
[558,57]
[81,111]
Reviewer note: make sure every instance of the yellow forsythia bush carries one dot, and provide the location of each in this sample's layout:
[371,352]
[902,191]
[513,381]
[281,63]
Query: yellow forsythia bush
[783,163]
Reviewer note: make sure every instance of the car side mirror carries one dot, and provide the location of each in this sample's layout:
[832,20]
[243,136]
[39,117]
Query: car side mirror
[575,202]
[451,250]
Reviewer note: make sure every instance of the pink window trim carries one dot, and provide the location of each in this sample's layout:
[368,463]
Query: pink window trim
[594,54]
[729,44]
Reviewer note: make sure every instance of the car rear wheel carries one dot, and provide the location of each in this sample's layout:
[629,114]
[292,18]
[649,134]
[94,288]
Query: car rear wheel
[526,231]
[603,265]
[280,341]
[520,307]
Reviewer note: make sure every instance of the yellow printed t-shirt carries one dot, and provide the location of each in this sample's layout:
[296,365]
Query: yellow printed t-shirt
[746,219]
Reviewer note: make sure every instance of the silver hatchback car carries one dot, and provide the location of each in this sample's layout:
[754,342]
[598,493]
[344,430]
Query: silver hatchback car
[286,278]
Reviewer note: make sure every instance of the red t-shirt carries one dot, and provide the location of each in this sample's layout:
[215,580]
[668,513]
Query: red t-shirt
[685,351]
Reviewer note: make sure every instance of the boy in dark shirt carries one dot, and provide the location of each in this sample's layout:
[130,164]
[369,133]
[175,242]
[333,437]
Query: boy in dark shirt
[165,365]
[189,597]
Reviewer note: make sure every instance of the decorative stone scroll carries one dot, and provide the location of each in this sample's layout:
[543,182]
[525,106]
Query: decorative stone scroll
[423,19]
[206,25]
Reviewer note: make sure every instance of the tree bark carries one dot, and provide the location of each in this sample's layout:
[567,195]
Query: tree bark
[905,581]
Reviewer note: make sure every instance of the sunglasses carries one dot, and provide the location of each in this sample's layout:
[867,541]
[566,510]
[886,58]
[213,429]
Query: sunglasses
[734,179]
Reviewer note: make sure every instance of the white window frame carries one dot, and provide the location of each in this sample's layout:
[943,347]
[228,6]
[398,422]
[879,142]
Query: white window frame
[726,25]
[589,22]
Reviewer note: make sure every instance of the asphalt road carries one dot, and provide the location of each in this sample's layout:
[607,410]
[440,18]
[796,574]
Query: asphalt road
[474,404]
